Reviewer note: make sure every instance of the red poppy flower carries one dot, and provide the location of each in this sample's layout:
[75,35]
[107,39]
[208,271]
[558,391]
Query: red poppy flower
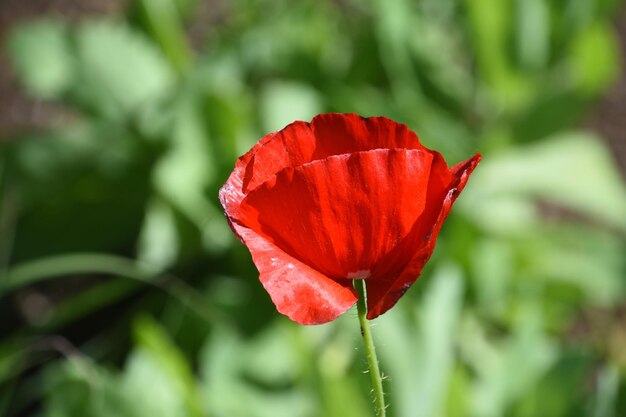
[340,198]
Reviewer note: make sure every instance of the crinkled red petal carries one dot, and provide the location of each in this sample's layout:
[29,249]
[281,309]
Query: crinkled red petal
[344,214]
[298,291]
[384,293]
[300,143]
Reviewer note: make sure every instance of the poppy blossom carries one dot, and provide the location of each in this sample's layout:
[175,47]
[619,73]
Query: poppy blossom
[343,197]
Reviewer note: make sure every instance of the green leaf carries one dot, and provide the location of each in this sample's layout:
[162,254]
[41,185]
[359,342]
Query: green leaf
[419,384]
[393,31]
[608,390]
[38,270]
[79,387]
[41,54]
[553,395]
[119,69]
[327,354]
[490,23]
[91,300]
[159,369]
[184,174]
[158,242]
[282,102]
[69,390]
[493,268]
[163,20]
[594,59]
[533,36]
[570,256]
[573,170]
[231,385]
[13,358]
[527,353]
[154,391]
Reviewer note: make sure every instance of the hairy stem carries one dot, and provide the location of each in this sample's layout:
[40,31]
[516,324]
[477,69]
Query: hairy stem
[370,349]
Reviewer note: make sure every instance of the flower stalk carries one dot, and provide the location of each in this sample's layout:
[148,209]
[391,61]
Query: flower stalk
[370,349]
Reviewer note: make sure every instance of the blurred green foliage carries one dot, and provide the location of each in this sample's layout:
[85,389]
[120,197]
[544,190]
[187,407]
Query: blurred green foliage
[123,292]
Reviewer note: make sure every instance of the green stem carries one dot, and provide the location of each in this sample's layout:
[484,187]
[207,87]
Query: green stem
[370,349]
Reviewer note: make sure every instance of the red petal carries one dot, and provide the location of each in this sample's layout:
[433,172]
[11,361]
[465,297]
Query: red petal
[300,143]
[338,134]
[444,188]
[343,214]
[298,291]
[274,154]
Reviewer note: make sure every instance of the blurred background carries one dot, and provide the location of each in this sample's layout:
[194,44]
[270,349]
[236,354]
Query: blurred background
[124,293]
